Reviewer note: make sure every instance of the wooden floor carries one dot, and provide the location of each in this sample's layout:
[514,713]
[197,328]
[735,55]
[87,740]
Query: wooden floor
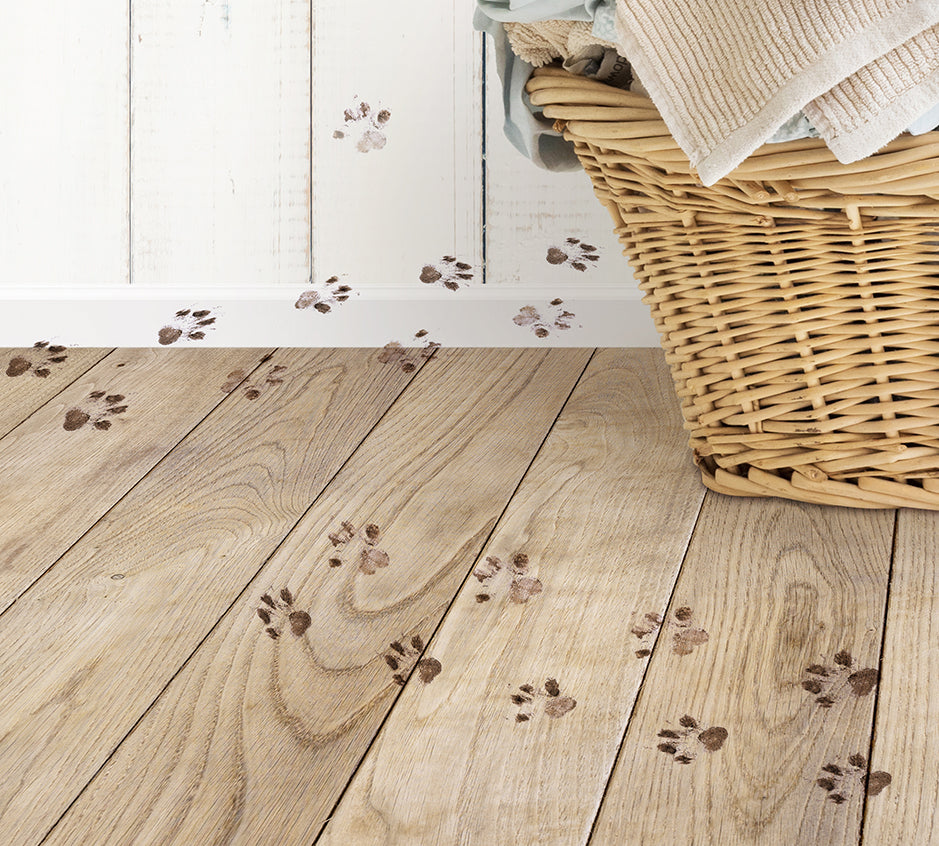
[367,597]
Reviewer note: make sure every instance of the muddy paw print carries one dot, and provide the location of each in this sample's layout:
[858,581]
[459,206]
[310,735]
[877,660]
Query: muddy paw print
[842,781]
[99,408]
[830,683]
[555,705]
[279,614]
[574,252]
[684,743]
[255,389]
[368,122]
[394,353]
[686,636]
[402,660]
[38,361]
[645,631]
[542,326]
[188,324]
[447,272]
[365,543]
[324,297]
[495,577]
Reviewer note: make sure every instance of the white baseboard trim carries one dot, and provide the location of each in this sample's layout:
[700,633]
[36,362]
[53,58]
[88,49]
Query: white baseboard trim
[372,316]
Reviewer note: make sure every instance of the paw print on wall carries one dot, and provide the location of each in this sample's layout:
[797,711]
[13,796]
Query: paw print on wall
[402,660]
[447,272]
[102,406]
[188,324]
[541,326]
[367,122]
[37,361]
[323,297]
[574,253]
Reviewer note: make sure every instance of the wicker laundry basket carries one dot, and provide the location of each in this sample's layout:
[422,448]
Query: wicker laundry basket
[797,299]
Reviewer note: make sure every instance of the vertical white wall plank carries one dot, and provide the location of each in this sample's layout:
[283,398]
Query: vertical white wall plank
[397,139]
[63,142]
[220,161]
[530,210]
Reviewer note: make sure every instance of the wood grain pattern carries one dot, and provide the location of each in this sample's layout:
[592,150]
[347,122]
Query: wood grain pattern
[905,741]
[603,517]
[777,587]
[26,391]
[60,475]
[256,737]
[220,152]
[88,649]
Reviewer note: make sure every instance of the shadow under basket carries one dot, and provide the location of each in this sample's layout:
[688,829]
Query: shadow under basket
[797,299]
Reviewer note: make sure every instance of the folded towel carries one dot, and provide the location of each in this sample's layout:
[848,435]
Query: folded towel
[725,74]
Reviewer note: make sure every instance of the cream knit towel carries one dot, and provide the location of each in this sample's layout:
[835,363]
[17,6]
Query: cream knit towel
[726,73]
[541,42]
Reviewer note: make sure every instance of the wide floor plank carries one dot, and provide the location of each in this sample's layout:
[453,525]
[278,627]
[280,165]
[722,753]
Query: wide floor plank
[78,454]
[515,741]
[89,648]
[761,677]
[254,740]
[31,377]
[905,791]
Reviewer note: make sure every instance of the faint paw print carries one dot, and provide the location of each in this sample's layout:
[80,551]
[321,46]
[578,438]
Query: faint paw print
[370,557]
[323,297]
[830,683]
[447,273]
[644,631]
[493,576]
[403,659]
[394,353]
[841,782]
[555,705]
[574,253]
[683,744]
[253,391]
[541,326]
[687,637]
[280,614]
[37,361]
[368,122]
[107,405]
[188,324]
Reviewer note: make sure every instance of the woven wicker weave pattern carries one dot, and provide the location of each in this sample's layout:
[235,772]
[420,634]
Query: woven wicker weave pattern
[797,299]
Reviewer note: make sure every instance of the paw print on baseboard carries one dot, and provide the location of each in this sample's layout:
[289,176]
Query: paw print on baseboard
[842,781]
[253,390]
[447,272]
[402,660]
[38,360]
[684,743]
[188,324]
[370,557]
[323,298]
[494,578]
[555,705]
[541,326]
[279,615]
[366,121]
[394,353]
[830,683]
[102,407]
[575,253]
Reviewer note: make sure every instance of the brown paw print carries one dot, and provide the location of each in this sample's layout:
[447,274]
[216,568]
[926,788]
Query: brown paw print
[574,252]
[495,578]
[188,324]
[447,272]
[37,361]
[555,705]
[103,405]
[845,780]
[394,353]
[323,297]
[402,661]
[253,391]
[370,557]
[645,631]
[684,743]
[831,683]
[279,614]
[542,326]
[686,637]
[368,122]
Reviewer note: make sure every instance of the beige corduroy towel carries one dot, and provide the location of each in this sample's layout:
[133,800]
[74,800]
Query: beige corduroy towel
[726,73]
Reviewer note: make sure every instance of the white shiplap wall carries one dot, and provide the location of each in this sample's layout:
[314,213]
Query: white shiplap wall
[232,155]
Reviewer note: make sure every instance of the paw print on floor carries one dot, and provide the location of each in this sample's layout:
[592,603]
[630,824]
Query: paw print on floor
[830,683]
[495,577]
[38,361]
[447,272]
[102,407]
[684,743]
[842,781]
[370,558]
[645,631]
[574,252]
[542,326]
[279,615]
[402,660]
[394,353]
[686,636]
[367,122]
[187,324]
[323,297]
[255,389]
[555,705]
